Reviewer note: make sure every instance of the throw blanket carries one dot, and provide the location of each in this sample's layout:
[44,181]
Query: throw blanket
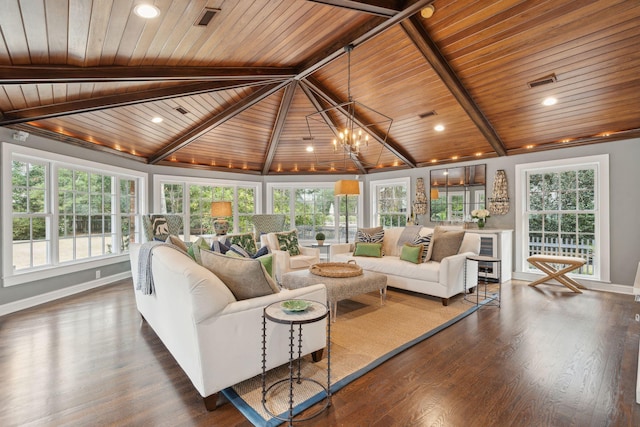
[408,234]
[145,277]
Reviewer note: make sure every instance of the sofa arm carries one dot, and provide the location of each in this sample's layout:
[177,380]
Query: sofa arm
[452,270]
[339,248]
[314,292]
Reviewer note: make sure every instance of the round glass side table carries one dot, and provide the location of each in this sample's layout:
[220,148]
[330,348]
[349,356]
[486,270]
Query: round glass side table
[314,312]
[485,265]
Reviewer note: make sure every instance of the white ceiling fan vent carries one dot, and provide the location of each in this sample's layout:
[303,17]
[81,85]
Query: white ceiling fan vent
[206,16]
[543,81]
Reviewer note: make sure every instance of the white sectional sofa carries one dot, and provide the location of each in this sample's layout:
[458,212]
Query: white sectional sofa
[216,339]
[443,279]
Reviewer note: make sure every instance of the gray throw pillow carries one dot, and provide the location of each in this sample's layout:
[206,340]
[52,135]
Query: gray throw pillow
[245,277]
[445,243]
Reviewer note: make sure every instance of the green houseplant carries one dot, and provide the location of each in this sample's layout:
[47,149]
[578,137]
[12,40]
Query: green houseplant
[320,238]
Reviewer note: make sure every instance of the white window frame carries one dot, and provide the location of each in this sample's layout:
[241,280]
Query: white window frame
[159,180]
[311,185]
[601,164]
[373,192]
[54,161]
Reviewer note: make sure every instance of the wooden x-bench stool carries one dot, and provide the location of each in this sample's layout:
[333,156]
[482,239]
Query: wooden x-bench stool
[546,263]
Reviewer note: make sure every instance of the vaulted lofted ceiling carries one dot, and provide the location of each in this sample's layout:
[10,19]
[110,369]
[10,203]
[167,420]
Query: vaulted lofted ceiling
[236,94]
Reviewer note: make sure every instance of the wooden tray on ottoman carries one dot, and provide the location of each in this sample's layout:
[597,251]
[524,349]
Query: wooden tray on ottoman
[336,269]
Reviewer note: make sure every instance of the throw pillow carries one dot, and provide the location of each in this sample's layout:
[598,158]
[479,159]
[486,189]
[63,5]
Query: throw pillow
[261,252]
[176,241]
[196,248]
[267,262]
[412,253]
[370,235]
[425,241]
[218,246]
[289,242]
[246,278]
[239,250]
[245,241]
[445,243]
[368,249]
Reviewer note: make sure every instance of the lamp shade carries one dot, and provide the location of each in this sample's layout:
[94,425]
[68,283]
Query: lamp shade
[434,193]
[220,209]
[346,187]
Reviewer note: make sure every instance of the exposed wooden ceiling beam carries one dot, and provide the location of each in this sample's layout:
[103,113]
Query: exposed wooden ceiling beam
[216,120]
[384,8]
[27,74]
[111,101]
[328,120]
[418,35]
[283,111]
[365,32]
[387,142]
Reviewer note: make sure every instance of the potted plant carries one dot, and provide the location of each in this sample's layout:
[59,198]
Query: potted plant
[320,238]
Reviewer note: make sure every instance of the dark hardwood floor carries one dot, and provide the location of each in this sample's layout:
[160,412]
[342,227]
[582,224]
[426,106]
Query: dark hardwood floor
[546,358]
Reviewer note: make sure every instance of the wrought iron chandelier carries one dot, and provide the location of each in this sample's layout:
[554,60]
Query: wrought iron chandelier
[353,124]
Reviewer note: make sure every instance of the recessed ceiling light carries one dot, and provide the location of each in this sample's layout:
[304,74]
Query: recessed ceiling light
[310,148]
[549,101]
[147,11]
[428,11]
[157,120]
[439,128]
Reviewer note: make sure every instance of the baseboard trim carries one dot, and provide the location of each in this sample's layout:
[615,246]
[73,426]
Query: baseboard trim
[33,301]
[589,284]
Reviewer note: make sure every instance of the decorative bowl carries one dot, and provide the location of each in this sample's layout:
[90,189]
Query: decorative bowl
[295,305]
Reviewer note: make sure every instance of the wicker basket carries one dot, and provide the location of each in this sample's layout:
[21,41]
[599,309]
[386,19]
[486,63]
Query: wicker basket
[336,269]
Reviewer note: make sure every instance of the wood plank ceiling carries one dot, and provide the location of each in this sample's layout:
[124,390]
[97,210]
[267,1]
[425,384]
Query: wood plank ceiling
[236,94]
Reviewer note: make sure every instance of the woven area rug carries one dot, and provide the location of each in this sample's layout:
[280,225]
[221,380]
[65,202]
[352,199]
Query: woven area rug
[364,336]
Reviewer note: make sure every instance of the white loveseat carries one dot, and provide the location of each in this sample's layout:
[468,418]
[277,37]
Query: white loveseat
[443,279]
[216,339]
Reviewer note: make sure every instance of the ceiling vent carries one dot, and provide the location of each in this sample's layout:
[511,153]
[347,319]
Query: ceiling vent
[543,81]
[206,16]
[429,114]
[181,110]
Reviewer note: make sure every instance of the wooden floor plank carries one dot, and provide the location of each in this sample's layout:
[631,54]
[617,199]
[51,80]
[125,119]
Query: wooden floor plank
[547,357]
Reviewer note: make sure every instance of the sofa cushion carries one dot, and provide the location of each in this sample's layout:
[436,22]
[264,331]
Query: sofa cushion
[288,241]
[445,243]
[392,265]
[425,241]
[368,249]
[411,253]
[245,277]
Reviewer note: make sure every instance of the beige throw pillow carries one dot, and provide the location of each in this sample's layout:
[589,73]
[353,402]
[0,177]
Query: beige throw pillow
[445,243]
[246,278]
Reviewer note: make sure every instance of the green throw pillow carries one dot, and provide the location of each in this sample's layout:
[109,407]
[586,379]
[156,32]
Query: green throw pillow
[267,262]
[368,249]
[289,242]
[412,253]
[196,247]
[245,241]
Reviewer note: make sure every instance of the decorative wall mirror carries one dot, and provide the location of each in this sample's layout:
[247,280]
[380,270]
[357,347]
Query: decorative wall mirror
[455,192]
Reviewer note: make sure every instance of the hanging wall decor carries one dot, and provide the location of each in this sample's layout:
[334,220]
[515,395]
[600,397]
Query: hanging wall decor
[420,203]
[499,200]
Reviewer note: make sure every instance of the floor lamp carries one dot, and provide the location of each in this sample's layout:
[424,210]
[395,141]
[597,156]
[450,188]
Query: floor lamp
[219,211]
[346,187]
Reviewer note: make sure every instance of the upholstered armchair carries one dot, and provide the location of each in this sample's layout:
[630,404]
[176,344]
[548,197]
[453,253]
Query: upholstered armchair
[159,226]
[267,223]
[288,254]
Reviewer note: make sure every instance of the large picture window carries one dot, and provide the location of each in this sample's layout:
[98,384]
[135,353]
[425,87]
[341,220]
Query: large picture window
[564,212]
[64,212]
[192,197]
[390,202]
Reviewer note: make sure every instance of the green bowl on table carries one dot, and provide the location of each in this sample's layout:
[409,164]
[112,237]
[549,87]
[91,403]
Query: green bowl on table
[295,305]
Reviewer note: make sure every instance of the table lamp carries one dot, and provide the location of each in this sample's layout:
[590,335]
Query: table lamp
[220,211]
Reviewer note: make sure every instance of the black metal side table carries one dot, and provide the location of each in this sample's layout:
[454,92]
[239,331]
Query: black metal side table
[483,262]
[314,313]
